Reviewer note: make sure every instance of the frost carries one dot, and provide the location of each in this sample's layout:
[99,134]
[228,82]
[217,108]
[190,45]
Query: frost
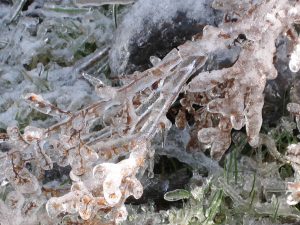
[138,27]
[46,56]
[104,136]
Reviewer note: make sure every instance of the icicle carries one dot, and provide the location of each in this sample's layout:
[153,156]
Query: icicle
[44,106]
[93,80]
[294,63]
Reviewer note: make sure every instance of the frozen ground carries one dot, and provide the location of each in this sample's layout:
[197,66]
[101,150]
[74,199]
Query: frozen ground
[42,51]
[46,45]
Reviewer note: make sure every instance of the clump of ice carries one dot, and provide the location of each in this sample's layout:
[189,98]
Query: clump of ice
[295,59]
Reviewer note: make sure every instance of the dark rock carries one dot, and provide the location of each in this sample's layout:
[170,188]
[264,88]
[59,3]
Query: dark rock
[56,173]
[170,174]
[154,27]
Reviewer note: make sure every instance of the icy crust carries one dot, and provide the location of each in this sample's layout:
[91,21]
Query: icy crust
[138,28]
[106,188]
[44,54]
[20,210]
[106,162]
[130,116]
[292,154]
[240,102]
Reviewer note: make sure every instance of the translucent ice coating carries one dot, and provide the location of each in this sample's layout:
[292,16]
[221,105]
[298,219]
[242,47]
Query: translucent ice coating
[133,114]
[295,56]
[240,99]
[294,187]
[27,44]
[163,23]
[106,162]
[292,154]
[108,187]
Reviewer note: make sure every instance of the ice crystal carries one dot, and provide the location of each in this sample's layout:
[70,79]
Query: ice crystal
[295,59]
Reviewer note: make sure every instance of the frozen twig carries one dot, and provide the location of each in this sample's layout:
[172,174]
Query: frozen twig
[131,115]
